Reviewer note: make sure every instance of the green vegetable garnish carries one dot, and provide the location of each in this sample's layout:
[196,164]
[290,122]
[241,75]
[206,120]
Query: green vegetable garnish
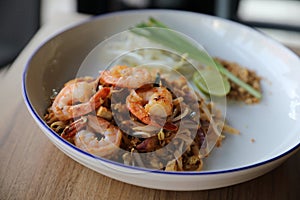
[208,82]
[170,38]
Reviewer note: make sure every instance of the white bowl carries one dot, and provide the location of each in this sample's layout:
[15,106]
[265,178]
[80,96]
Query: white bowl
[273,123]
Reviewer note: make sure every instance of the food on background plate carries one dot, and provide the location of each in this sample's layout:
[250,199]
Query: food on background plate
[250,77]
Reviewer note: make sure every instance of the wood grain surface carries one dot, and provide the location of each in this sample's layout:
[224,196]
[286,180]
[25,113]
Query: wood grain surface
[31,167]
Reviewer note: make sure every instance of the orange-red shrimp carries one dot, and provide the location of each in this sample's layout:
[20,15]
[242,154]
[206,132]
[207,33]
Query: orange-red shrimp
[151,104]
[126,77]
[78,98]
[87,140]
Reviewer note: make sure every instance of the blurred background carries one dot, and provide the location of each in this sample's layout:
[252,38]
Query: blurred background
[20,20]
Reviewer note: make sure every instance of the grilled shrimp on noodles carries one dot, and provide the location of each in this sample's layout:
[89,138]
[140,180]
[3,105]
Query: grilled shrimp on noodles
[84,133]
[149,104]
[78,97]
[126,77]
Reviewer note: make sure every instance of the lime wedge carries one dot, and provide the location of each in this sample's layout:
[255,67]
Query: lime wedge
[211,82]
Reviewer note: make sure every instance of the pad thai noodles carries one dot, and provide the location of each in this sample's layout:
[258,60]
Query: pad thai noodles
[137,116]
[140,115]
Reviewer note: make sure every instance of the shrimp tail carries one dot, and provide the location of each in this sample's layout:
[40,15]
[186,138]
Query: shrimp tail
[73,128]
[138,111]
[97,99]
[106,77]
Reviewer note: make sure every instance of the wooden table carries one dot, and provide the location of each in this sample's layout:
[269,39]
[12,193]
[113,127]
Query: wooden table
[31,167]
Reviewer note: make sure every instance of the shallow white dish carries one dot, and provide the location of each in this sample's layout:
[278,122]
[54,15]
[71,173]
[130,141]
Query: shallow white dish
[273,124]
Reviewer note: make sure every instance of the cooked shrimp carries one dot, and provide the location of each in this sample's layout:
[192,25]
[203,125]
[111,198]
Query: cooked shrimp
[74,127]
[78,98]
[147,104]
[88,140]
[127,77]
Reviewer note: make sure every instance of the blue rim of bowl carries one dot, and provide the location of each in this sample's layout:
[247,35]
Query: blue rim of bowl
[61,140]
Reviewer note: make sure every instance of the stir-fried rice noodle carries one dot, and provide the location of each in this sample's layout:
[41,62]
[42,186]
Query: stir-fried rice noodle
[175,141]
